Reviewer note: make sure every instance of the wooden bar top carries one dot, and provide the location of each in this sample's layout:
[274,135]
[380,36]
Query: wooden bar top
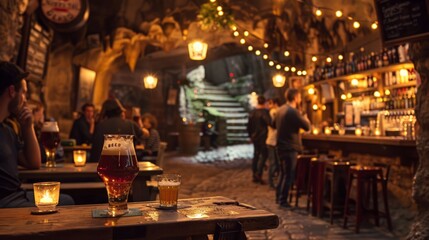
[196,216]
[379,140]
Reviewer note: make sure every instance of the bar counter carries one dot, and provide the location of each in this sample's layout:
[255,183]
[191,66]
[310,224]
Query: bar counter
[379,140]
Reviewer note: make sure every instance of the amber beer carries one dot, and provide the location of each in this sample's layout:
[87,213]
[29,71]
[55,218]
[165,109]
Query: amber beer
[50,138]
[117,168]
[168,186]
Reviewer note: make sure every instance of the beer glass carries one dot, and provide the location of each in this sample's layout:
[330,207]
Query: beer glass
[168,185]
[50,136]
[118,167]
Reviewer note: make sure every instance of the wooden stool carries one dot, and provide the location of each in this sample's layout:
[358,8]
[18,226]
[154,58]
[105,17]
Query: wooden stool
[315,186]
[301,177]
[334,172]
[369,176]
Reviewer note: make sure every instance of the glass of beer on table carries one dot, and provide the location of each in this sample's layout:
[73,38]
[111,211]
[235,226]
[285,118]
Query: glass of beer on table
[50,136]
[118,167]
[168,185]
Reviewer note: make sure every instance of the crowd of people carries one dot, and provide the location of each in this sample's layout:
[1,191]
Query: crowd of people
[274,132]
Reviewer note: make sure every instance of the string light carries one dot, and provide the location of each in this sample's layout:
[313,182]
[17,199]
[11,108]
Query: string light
[219,8]
[265,56]
[338,14]
[265,45]
[212,1]
[286,53]
[257,52]
[242,41]
[293,69]
[340,57]
[356,24]
[220,13]
[234,28]
[278,66]
[311,91]
[328,59]
[314,59]
[315,107]
[374,25]
[304,72]
[236,34]
[246,33]
[271,63]
[250,48]
[343,97]
[287,69]
[299,73]
[318,12]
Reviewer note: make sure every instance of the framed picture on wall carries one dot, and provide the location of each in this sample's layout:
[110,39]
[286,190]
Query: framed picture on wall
[85,86]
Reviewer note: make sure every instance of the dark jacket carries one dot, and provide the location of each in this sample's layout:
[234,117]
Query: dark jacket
[288,123]
[257,125]
[80,131]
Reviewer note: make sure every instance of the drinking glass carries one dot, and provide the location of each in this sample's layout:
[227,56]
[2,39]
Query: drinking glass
[118,167]
[46,195]
[50,136]
[168,185]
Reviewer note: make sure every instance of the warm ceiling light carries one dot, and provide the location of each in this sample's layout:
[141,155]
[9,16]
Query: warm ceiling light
[236,33]
[279,80]
[318,12]
[377,94]
[356,24]
[246,33]
[250,48]
[374,25]
[304,72]
[271,63]
[314,58]
[278,66]
[328,59]
[355,82]
[287,53]
[311,91]
[287,69]
[343,97]
[265,56]
[293,69]
[150,81]
[257,52]
[338,13]
[340,57]
[265,45]
[220,13]
[197,50]
[315,107]
[299,73]
[242,41]
[219,8]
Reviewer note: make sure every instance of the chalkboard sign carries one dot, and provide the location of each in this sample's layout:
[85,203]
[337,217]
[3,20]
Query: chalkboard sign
[403,21]
[37,51]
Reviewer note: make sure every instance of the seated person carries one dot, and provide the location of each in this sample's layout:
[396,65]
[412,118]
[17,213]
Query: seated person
[83,127]
[26,152]
[151,144]
[113,123]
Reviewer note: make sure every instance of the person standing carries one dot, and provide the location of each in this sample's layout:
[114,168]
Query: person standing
[14,150]
[289,121]
[273,105]
[84,126]
[257,128]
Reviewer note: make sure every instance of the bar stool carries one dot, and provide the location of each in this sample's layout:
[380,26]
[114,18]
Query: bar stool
[315,185]
[301,177]
[335,171]
[369,176]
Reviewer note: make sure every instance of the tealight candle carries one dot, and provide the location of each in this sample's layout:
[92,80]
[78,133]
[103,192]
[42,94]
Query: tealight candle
[328,131]
[46,195]
[315,131]
[377,132]
[79,158]
[358,132]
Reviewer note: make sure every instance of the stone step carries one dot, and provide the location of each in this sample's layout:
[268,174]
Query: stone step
[238,139]
[236,127]
[234,115]
[237,121]
[230,109]
[225,104]
[216,98]
[244,135]
[215,91]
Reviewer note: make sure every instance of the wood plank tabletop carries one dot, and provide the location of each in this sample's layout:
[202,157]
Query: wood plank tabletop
[196,216]
[88,148]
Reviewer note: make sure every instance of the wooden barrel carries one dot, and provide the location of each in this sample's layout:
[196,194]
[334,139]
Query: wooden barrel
[189,139]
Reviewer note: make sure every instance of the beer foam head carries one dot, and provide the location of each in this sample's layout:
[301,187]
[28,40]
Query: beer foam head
[118,144]
[167,183]
[50,127]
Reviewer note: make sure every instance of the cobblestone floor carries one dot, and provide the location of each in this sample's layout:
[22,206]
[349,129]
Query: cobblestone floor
[232,178]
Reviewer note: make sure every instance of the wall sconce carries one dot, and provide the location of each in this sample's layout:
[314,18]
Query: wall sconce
[150,81]
[279,80]
[197,50]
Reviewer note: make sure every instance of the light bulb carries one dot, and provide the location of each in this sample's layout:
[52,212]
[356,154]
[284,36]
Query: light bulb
[374,25]
[323,107]
[236,33]
[220,13]
[318,12]
[246,33]
[265,45]
[219,8]
[271,63]
[299,73]
[293,69]
[257,52]
[234,28]
[265,56]
[278,66]
[340,57]
[286,53]
[287,69]
[311,91]
[377,94]
[355,82]
[314,58]
[304,72]
[338,13]
[315,107]
[403,72]
[242,41]
[343,97]
[387,92]
[356,24]
[250,48]
[329,59]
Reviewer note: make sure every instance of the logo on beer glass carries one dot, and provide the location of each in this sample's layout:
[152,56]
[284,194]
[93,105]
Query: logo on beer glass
[168,186]
[50,136]
[117,168]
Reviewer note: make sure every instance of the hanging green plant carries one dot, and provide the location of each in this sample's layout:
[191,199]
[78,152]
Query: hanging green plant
[214,16]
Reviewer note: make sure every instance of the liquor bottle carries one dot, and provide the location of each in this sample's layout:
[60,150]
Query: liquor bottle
[370,81]
[385,58]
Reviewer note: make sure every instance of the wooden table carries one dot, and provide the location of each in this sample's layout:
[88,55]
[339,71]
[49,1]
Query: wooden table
[199,216]
[67,172]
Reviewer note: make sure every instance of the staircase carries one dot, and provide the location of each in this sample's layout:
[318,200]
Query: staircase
[236,116]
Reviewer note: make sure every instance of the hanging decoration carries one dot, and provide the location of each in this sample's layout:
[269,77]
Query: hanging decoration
[279,80]
[214,16]
[150,81]
[197,50]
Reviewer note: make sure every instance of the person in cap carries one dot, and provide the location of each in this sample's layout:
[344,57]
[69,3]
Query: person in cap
[112,122]
[14,151]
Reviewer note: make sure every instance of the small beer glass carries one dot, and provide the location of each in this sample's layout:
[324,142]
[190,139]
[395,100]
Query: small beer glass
[168,185]
[50,139]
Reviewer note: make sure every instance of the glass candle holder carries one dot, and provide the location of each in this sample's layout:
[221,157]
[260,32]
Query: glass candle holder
[328,131]
[377,132]
[358,132]
[46,195]
[79,158]
[315,131]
